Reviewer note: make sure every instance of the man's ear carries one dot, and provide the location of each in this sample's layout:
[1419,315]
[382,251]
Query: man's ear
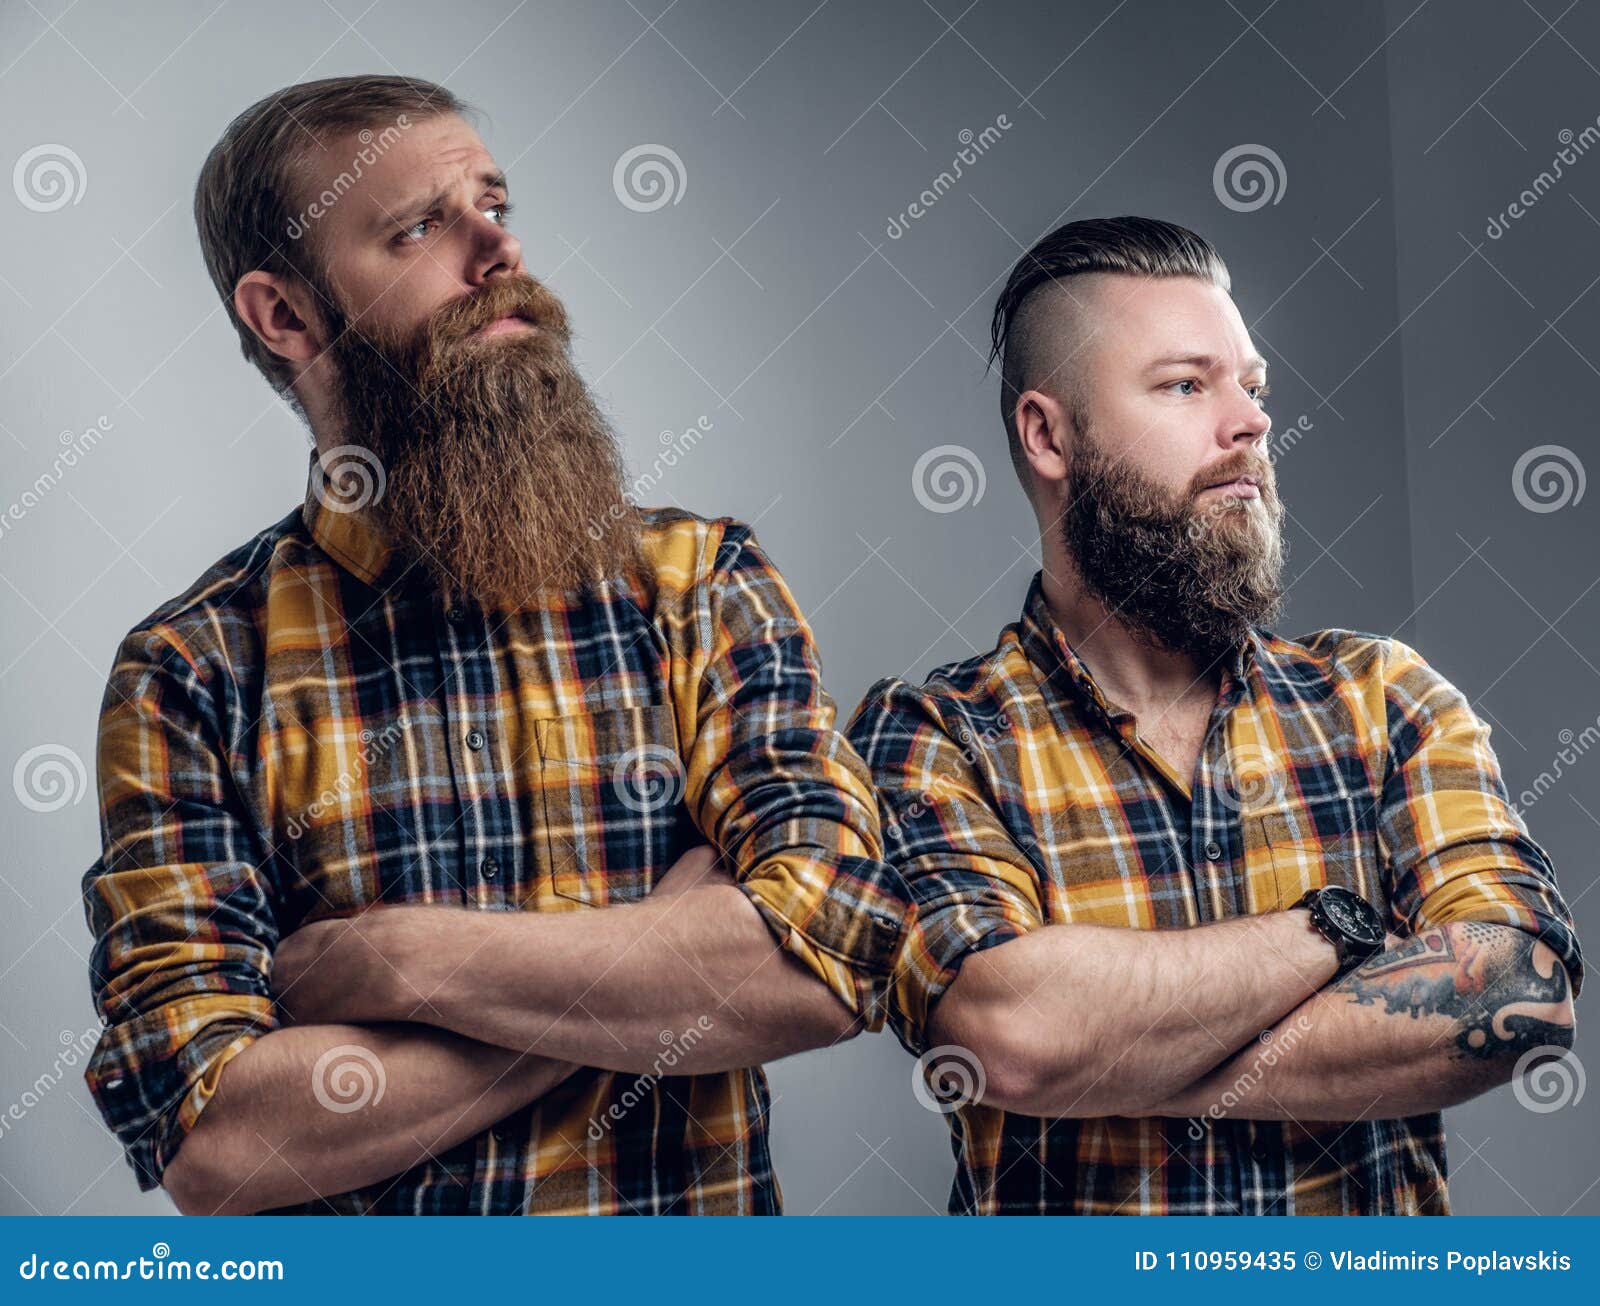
[280,313]
[1044,433]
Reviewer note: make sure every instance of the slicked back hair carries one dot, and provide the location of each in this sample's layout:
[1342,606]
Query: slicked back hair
[1133,246]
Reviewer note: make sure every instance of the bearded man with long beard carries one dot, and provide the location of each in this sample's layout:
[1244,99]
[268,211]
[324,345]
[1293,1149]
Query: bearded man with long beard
[1210,920]
[472,835]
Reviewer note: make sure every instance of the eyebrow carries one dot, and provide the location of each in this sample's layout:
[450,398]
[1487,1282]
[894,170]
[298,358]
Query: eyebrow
[1205,363]
[409,213]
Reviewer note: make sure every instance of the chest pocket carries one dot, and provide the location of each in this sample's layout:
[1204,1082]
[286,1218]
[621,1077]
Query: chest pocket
[1303,856]
[612,815]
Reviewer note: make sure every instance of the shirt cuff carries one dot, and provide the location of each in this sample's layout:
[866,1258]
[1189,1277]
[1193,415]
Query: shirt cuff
[844,917]
[152,1076]
[940,941]
[1496,898]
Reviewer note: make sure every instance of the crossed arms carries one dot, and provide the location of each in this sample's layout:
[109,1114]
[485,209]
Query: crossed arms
[472,1014]
[1079,1020]
[1082,1020]
[430,991]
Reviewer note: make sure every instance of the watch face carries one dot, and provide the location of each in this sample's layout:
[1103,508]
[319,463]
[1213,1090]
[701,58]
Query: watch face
[1352,914]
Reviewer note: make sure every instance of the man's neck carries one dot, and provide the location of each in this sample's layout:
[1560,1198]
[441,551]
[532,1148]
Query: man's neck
[1148,681]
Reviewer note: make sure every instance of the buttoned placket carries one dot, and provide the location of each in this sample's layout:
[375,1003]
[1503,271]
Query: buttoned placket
[1216,854]
[487,882]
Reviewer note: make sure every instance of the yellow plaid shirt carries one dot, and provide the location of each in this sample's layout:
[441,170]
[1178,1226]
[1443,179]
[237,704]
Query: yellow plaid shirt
[308,731]
[1016,795]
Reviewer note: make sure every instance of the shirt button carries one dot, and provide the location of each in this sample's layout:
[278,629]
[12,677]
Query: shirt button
[1213,850]
[456,615]
[884,925]
[491,867]
[474,739]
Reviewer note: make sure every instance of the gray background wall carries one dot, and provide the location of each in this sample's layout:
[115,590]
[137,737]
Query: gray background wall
[1420,357]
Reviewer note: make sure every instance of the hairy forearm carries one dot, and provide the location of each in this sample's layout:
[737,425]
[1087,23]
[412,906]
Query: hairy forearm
[1084,1020]
[269,1137]
[607,988]
[1436,1019]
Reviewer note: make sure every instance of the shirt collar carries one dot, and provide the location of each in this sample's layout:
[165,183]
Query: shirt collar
[345,532]
[1049,652]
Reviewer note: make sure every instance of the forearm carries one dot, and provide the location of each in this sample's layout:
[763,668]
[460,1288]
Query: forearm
[1436,1019]
[697,970]
[269,1137]
[1083,1020]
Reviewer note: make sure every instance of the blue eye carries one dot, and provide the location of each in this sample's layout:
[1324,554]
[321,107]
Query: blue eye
[505,209]
[1187,382]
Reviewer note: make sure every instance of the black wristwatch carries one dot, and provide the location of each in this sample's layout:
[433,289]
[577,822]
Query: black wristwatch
[1346,920]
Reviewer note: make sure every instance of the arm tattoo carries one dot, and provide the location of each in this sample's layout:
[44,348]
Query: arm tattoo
[1504,991]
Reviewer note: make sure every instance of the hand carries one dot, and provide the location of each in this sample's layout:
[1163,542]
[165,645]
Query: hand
[698,867]
[324,973]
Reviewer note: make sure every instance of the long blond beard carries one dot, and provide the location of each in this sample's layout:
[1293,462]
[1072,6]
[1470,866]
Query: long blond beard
[503,480]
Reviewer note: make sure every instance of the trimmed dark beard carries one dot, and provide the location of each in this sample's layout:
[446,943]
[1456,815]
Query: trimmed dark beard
[1178,575]
[502,477]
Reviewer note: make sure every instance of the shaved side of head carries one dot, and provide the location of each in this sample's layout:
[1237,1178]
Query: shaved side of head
[1044,322]
[1051,333]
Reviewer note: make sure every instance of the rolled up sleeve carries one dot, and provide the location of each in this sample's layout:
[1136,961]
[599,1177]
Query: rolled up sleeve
[1458,849]
[972,886]
[774,785]
[178,905]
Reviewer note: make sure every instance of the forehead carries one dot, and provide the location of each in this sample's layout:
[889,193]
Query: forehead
[372,175]
[1144,318]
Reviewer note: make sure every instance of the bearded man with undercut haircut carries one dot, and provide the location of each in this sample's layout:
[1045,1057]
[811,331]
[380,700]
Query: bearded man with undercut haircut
[1208,920]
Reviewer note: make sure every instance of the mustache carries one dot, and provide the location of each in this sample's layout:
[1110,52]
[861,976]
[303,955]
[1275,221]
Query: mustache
[1242,462]
[511,296]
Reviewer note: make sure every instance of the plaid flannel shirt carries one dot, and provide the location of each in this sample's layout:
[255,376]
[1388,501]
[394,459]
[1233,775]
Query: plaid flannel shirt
[1015,795]
[309,731]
